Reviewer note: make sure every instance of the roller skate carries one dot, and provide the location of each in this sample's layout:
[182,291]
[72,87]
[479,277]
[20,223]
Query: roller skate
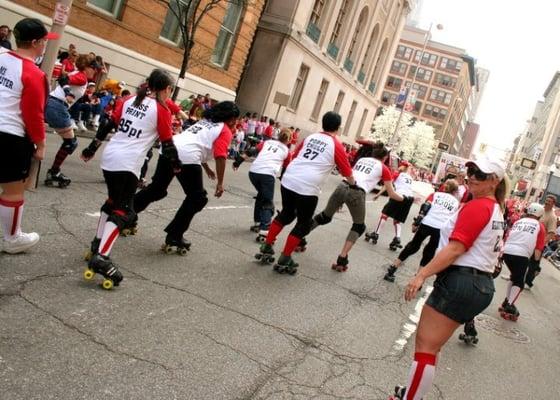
[341,264]
[255,227]
[94,248]
[130,229]
[286,265]
[302,246]
[266,254]
[57,177]
[390,275]
[469,335]
[179,245]
[504,303]
[372,237]
[395,244]
[399,393]
[510,313]
[261,238]
[103,265]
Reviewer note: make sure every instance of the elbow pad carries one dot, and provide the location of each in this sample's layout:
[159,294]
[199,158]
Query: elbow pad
[424,208]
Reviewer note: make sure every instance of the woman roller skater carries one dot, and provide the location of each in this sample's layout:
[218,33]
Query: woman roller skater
[141,120]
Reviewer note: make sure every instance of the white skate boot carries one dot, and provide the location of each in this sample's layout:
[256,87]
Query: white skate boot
[73,126]
[95,121]
[82,126]
[20,243]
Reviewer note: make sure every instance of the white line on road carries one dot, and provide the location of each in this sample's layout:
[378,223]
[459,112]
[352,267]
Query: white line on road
[410,326]
[94,215]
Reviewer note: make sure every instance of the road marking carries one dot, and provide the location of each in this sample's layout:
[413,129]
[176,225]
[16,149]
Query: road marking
[94,215]
[409,327]
[226,207]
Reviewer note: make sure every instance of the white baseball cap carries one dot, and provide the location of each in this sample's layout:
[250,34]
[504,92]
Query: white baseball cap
[488,166]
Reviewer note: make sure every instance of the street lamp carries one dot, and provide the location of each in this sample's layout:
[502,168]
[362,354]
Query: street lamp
[393,137]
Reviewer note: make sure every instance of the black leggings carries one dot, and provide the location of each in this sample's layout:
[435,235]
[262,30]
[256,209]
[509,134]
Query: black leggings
[191,181]
[121,186]
[414,245]
[517,266]
[300,206]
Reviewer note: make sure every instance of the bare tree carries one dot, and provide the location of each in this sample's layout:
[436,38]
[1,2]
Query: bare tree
[190,13]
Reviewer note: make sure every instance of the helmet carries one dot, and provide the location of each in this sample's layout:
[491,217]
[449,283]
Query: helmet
[535,209]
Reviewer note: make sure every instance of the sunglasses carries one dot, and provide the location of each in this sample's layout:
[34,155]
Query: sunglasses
[477,174]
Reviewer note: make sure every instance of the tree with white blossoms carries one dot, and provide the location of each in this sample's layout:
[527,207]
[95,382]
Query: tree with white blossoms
[417,146]
[384,125]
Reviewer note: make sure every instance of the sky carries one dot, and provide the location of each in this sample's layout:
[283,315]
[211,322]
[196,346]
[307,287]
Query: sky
[515,40]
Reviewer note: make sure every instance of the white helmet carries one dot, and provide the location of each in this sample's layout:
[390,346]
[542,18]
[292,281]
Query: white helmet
[535,209]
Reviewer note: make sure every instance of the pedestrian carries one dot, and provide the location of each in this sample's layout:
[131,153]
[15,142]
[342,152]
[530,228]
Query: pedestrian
[5,37]
[58,117]
[396,210]
[273,156]
[469,247]
[313,160]
[369,168]
[525,238]
[549,221]
[434,213]
[141,119]
[210,137]
[23,94]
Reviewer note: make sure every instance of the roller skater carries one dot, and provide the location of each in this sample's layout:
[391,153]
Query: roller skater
[469,335]
[178,245]
[435,211]
[369,168]
[71,86]
[397,210]
[510,312]
[549,221]
[266,253]
[121,162]
[314,159]
[372,237]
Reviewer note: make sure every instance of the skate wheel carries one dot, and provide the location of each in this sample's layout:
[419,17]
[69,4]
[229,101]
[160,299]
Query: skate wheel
[333,266]
[134,231]
[277,268]
[167,249]
[462,336]
[292,271]
[182,251]
[88,274]
[270,260]
[125,232]
[258,256]
[475,340]
[107,284]
[88,255]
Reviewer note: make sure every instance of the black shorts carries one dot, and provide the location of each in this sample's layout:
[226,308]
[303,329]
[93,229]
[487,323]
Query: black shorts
[398,210]
[15,157]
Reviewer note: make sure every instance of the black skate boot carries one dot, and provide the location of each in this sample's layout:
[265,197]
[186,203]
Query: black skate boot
[390,275]
[399,393]
[179,245]
[103,265]
[261,237]
[395,244]
[302,246]
[131,228]
[372,237]
[266,255]
[94,249]
[469,335]
[504,303]
[510,313]
[255,227]
[57,177]
[341,264]
[286,265]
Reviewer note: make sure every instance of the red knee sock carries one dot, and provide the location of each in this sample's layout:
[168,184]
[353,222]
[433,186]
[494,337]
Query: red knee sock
[274,231]
[10,217]
[59,159]
[291,244]
[421,376]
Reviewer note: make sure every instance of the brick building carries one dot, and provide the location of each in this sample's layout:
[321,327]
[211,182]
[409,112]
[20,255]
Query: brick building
[133,37]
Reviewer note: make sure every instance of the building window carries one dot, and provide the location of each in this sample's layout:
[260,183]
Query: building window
[422,75]
[421,90]
[356,40]
[417,107]
[350,118]
[319,101]
[434,112]
[314,25]
[394,82]
[171,30]
[440,96]
[427,58]
[112,7]
[298,87]
[337,30]
[339,100]
[445,80]
[225,41]
[450,64]
[398,67]
[388,98]
[404,52]
[362,122]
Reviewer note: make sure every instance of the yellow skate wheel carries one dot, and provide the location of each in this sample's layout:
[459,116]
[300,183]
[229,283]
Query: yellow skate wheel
[107,284]
[88,255]
[125,232]
[88,274]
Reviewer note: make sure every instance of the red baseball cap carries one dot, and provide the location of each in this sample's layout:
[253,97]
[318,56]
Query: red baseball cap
[29,29]
[404,163]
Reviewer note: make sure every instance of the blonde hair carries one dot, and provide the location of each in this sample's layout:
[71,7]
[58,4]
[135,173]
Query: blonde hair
[285,135]
[451,186]
[501,192]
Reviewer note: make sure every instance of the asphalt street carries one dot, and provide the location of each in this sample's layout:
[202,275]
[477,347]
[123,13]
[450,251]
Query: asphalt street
[215,324]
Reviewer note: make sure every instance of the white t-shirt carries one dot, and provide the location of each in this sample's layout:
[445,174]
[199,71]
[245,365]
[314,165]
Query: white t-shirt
[314,159]
[526,235]
[77,85]
[138,129]
[403,184]
[368,171]
[479,226]
[270,158]
[444,206]
[199,142]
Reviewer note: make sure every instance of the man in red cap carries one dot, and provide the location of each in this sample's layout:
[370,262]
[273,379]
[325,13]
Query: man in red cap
[23,92]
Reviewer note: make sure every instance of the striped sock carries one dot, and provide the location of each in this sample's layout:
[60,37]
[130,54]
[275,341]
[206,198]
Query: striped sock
[421,376]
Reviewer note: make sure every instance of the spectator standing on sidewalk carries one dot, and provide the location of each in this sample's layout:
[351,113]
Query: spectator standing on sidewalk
[5,37]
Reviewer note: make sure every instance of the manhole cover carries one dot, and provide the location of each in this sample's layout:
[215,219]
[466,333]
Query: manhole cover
[501,328]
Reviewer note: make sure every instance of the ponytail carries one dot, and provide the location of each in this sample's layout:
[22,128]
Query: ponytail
[158,80]
[141,94]
[501,192]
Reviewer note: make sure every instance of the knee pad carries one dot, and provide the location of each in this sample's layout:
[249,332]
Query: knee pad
[302,228]
[322,219]
[358,228]
[69,145]
[123,217]
[107,207]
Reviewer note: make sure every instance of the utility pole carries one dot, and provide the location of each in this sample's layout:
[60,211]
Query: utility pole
[60,19]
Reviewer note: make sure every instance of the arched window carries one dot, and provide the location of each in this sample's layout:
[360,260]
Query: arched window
[317,19]
[378,66]
[370,50]
[336,36]
[356,41]
[228,30]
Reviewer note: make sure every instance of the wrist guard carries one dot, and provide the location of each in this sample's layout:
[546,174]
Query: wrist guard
[238,161]
[169,151]
[89,152]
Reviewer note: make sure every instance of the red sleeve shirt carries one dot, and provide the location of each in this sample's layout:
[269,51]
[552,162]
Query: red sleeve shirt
[173,107]
[386,174]
[341,160]
[541,238]
[221,144]
[33,101]
[260,146]
[78,79]
[472,219]
[430,198]
[268,131]
[164,126]
[68,65]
